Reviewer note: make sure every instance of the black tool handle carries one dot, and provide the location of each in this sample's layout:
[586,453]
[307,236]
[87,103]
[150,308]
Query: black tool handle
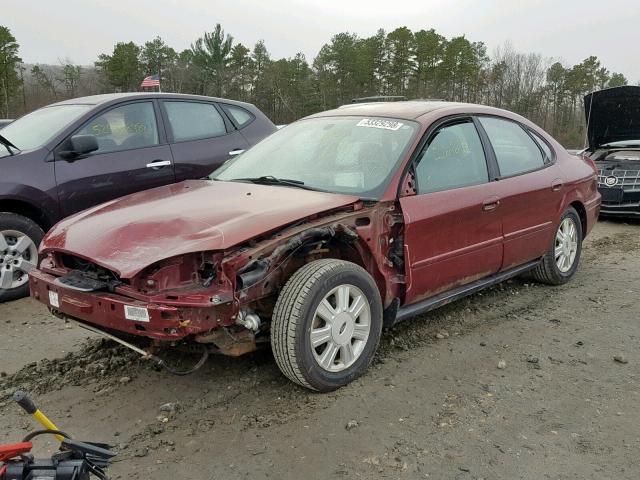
[25,402]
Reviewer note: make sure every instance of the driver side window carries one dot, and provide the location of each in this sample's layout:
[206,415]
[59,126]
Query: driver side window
[123,128]
[453,158]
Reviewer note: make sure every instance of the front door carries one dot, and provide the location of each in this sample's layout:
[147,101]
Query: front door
[453,229]
[132,156]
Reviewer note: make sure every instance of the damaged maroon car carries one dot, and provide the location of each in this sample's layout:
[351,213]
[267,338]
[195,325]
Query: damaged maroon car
[323,233]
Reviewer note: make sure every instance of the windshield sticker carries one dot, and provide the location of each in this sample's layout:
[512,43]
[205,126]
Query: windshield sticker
[379,123]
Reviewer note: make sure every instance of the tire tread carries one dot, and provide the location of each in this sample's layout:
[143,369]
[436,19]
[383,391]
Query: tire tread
[287,314]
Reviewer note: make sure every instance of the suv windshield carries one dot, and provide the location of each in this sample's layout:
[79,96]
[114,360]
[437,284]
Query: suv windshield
[36,128]
[352,155]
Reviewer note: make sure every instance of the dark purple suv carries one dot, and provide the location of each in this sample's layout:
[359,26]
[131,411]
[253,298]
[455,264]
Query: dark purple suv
[74,154]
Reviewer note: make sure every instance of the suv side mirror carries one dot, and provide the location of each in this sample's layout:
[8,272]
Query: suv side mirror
[80,145]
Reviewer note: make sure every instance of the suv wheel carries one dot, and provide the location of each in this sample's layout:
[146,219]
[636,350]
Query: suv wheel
[19,240]
[561,260]
[326,324]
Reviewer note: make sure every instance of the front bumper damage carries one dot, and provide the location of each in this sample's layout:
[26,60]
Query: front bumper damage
[107,311]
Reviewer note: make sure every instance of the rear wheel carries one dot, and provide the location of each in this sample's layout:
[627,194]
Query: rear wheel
[326,324]
[19,240]
[561,260]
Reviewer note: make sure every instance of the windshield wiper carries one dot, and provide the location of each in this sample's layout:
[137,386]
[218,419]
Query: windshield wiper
[9,146]
[271,180]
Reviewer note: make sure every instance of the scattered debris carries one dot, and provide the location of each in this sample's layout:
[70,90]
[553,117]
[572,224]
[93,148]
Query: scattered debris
[502,364]
[141,452]
[620,359]
[169,407]
[351,424]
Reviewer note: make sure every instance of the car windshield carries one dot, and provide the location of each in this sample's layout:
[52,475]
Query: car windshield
[36,128]
[352,155]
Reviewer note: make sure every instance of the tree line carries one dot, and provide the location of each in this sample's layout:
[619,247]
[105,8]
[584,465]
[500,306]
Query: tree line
[418,65]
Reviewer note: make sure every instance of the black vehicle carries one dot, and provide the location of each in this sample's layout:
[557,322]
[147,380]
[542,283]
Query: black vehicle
[75,154]
[613,133]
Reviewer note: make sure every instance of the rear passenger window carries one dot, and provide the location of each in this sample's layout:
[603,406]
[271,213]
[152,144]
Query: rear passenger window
[193,121]
[515,150]
[453,158]
[241,116]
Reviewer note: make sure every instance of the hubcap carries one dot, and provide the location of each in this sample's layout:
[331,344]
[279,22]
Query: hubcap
[18,255]
[340,328]
[566,245]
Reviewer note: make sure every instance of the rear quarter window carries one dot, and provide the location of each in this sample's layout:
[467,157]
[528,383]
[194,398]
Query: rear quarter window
[544,146]
[239,115]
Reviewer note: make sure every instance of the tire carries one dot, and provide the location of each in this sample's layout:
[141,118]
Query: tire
[296,315]
[548,271]
[12,228]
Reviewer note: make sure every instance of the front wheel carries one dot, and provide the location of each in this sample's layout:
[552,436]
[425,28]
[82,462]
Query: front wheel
[326,324]
[19,240]
[561,260]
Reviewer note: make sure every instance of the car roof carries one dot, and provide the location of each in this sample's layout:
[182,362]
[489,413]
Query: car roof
[115,97]
[409,110]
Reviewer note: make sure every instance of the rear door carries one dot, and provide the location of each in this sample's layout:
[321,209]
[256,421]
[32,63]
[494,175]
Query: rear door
[202,137]
[529,186]
[453,232]
[133,155]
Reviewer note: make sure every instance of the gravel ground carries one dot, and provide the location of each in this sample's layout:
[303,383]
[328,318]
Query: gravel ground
[519,381]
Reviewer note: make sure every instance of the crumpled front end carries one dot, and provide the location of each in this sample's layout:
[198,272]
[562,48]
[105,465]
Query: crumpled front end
[165,302]
[223,298]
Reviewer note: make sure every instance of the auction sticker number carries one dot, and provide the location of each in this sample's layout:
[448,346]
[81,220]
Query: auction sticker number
[53,299]
[137,314]
[379,123]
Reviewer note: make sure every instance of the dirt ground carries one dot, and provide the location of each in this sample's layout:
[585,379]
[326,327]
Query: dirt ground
[562,407]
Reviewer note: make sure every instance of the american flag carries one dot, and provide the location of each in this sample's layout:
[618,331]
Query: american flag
[151,81]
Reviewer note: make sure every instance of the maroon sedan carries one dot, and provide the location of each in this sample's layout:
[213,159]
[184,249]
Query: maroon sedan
[318,236]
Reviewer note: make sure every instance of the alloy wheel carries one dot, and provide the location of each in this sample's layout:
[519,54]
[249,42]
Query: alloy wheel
[18,255]
[340,328]
[566,245]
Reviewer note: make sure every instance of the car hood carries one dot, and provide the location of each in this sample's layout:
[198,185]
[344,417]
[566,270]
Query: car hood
[133,232]
[613,115]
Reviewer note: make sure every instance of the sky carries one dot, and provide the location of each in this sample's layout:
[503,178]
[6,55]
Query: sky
[565,30]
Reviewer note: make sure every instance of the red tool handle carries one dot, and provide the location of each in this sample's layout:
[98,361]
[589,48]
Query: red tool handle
[12,450]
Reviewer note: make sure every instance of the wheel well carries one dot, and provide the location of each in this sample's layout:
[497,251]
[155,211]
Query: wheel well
[27,210]
[582,213]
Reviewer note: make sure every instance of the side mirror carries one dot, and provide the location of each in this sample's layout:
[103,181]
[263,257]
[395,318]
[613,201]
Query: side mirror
[80,145]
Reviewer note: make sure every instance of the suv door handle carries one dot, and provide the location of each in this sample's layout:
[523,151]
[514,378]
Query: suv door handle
[490,204]
[556,185]
[236,151]
[159,164]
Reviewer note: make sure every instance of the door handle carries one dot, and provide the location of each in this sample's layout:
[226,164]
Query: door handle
[490,204]
[236,151]
[556,185]
[159,164]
